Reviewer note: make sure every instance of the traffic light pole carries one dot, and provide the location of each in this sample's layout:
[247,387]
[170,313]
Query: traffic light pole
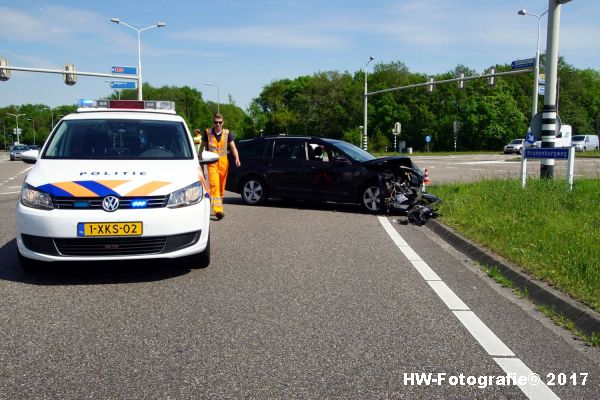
[64,71]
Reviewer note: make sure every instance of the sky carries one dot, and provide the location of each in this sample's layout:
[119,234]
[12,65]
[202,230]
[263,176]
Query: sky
[242,45]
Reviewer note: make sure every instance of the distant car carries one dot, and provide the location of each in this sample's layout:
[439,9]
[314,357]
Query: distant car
[34,147]
[16,150]
[311,168]
[585,142]
[515,146]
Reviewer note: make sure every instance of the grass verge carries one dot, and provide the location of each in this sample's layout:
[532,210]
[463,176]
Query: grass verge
[561,320]
[558,318]
[549,232]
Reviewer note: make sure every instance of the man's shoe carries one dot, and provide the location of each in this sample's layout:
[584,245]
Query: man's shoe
[219,215]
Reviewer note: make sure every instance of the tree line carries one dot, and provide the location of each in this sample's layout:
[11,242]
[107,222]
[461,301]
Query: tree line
[330,104]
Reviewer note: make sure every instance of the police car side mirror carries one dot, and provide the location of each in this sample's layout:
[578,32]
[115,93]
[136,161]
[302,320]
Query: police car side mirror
[208,157]
[30,156]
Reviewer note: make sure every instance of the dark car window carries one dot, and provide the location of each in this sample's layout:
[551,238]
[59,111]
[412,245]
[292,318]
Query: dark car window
[251,148]
[319,152]
[290,149]
[354,152]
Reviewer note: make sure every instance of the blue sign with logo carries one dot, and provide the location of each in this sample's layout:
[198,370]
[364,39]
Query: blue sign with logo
[123,84]
[530,137]
[115,69]
[519,64]
[560,153]
[428,138]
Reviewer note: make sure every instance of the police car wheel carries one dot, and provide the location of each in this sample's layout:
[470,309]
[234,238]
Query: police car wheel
[201,260]
[254,191]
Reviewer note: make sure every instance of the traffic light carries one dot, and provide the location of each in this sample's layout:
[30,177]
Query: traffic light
[69,76]
[430,87]
[4,73]
[491,80]
[461,83]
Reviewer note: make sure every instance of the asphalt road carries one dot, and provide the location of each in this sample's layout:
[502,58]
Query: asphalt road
[468,168]
[303,301]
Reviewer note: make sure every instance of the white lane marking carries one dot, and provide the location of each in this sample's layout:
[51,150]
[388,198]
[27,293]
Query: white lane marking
[426,272]
[452,301]
[10,192]
[476,327]
[518,368]
[486,338]
[482,162]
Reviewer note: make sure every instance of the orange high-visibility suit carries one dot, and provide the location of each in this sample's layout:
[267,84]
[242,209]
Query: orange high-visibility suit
[217,172]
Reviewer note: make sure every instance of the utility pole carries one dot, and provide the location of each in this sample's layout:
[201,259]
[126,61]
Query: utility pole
[549,111]
[365,138]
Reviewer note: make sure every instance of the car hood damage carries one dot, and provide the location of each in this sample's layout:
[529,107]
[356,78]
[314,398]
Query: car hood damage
[391,164]
[402,189]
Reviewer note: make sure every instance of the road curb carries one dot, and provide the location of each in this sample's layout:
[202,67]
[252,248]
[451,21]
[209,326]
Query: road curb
[540,293]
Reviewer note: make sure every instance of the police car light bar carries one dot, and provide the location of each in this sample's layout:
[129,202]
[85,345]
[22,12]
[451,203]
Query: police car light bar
[129,104]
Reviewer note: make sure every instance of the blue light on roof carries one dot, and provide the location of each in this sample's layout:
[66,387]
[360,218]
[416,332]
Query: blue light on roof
[85,103]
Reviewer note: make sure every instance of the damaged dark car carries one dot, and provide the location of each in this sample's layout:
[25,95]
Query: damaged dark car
[321,169]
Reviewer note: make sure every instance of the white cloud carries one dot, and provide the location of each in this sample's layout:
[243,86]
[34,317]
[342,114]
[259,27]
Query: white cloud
[269,36]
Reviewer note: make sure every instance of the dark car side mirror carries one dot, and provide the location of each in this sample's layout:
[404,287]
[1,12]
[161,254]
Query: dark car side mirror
[339,159]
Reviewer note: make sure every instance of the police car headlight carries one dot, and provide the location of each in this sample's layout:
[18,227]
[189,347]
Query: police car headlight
[31,197]
[187,196]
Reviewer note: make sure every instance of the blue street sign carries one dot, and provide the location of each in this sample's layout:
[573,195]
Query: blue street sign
[115,69]
[519,64]
[557,153]
[123,84]
[428,138]
[541,90]
[530,138]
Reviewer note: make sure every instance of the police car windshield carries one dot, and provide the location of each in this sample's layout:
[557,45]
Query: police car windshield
[110,139]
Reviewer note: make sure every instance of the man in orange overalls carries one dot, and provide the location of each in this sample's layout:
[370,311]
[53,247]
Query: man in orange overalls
[216,140]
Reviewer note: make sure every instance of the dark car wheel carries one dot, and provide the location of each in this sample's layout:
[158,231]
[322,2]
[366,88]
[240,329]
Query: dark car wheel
[254,191]
[371,198]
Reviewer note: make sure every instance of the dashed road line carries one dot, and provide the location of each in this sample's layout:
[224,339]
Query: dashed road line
[492,344]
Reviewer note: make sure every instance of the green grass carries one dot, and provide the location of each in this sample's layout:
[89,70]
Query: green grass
[588,154]
[549,232]
[495,274]
[561,320]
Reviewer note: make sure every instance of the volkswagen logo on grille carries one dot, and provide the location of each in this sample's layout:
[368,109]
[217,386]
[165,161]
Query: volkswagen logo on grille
[110,203]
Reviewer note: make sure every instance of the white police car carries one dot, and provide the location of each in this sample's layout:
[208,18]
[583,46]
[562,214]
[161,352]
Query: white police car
[117,181]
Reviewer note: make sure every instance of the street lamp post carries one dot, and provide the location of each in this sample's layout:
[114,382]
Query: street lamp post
[218,95]
[365,143]
[139,31]
[17,118]
[32,128]
[537,60]
[51,117]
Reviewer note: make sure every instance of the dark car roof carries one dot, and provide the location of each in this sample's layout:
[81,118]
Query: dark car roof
[285,137]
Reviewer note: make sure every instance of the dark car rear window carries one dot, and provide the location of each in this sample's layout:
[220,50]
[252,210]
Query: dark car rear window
[251,148]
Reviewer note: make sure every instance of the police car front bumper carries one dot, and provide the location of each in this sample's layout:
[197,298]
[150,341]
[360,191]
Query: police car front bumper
[167,233]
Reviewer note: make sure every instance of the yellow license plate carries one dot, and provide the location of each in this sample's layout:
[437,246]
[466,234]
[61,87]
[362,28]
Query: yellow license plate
[109,229]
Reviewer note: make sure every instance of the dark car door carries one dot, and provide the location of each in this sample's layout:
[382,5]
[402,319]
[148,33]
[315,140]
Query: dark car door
[331,174]
[287,170]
